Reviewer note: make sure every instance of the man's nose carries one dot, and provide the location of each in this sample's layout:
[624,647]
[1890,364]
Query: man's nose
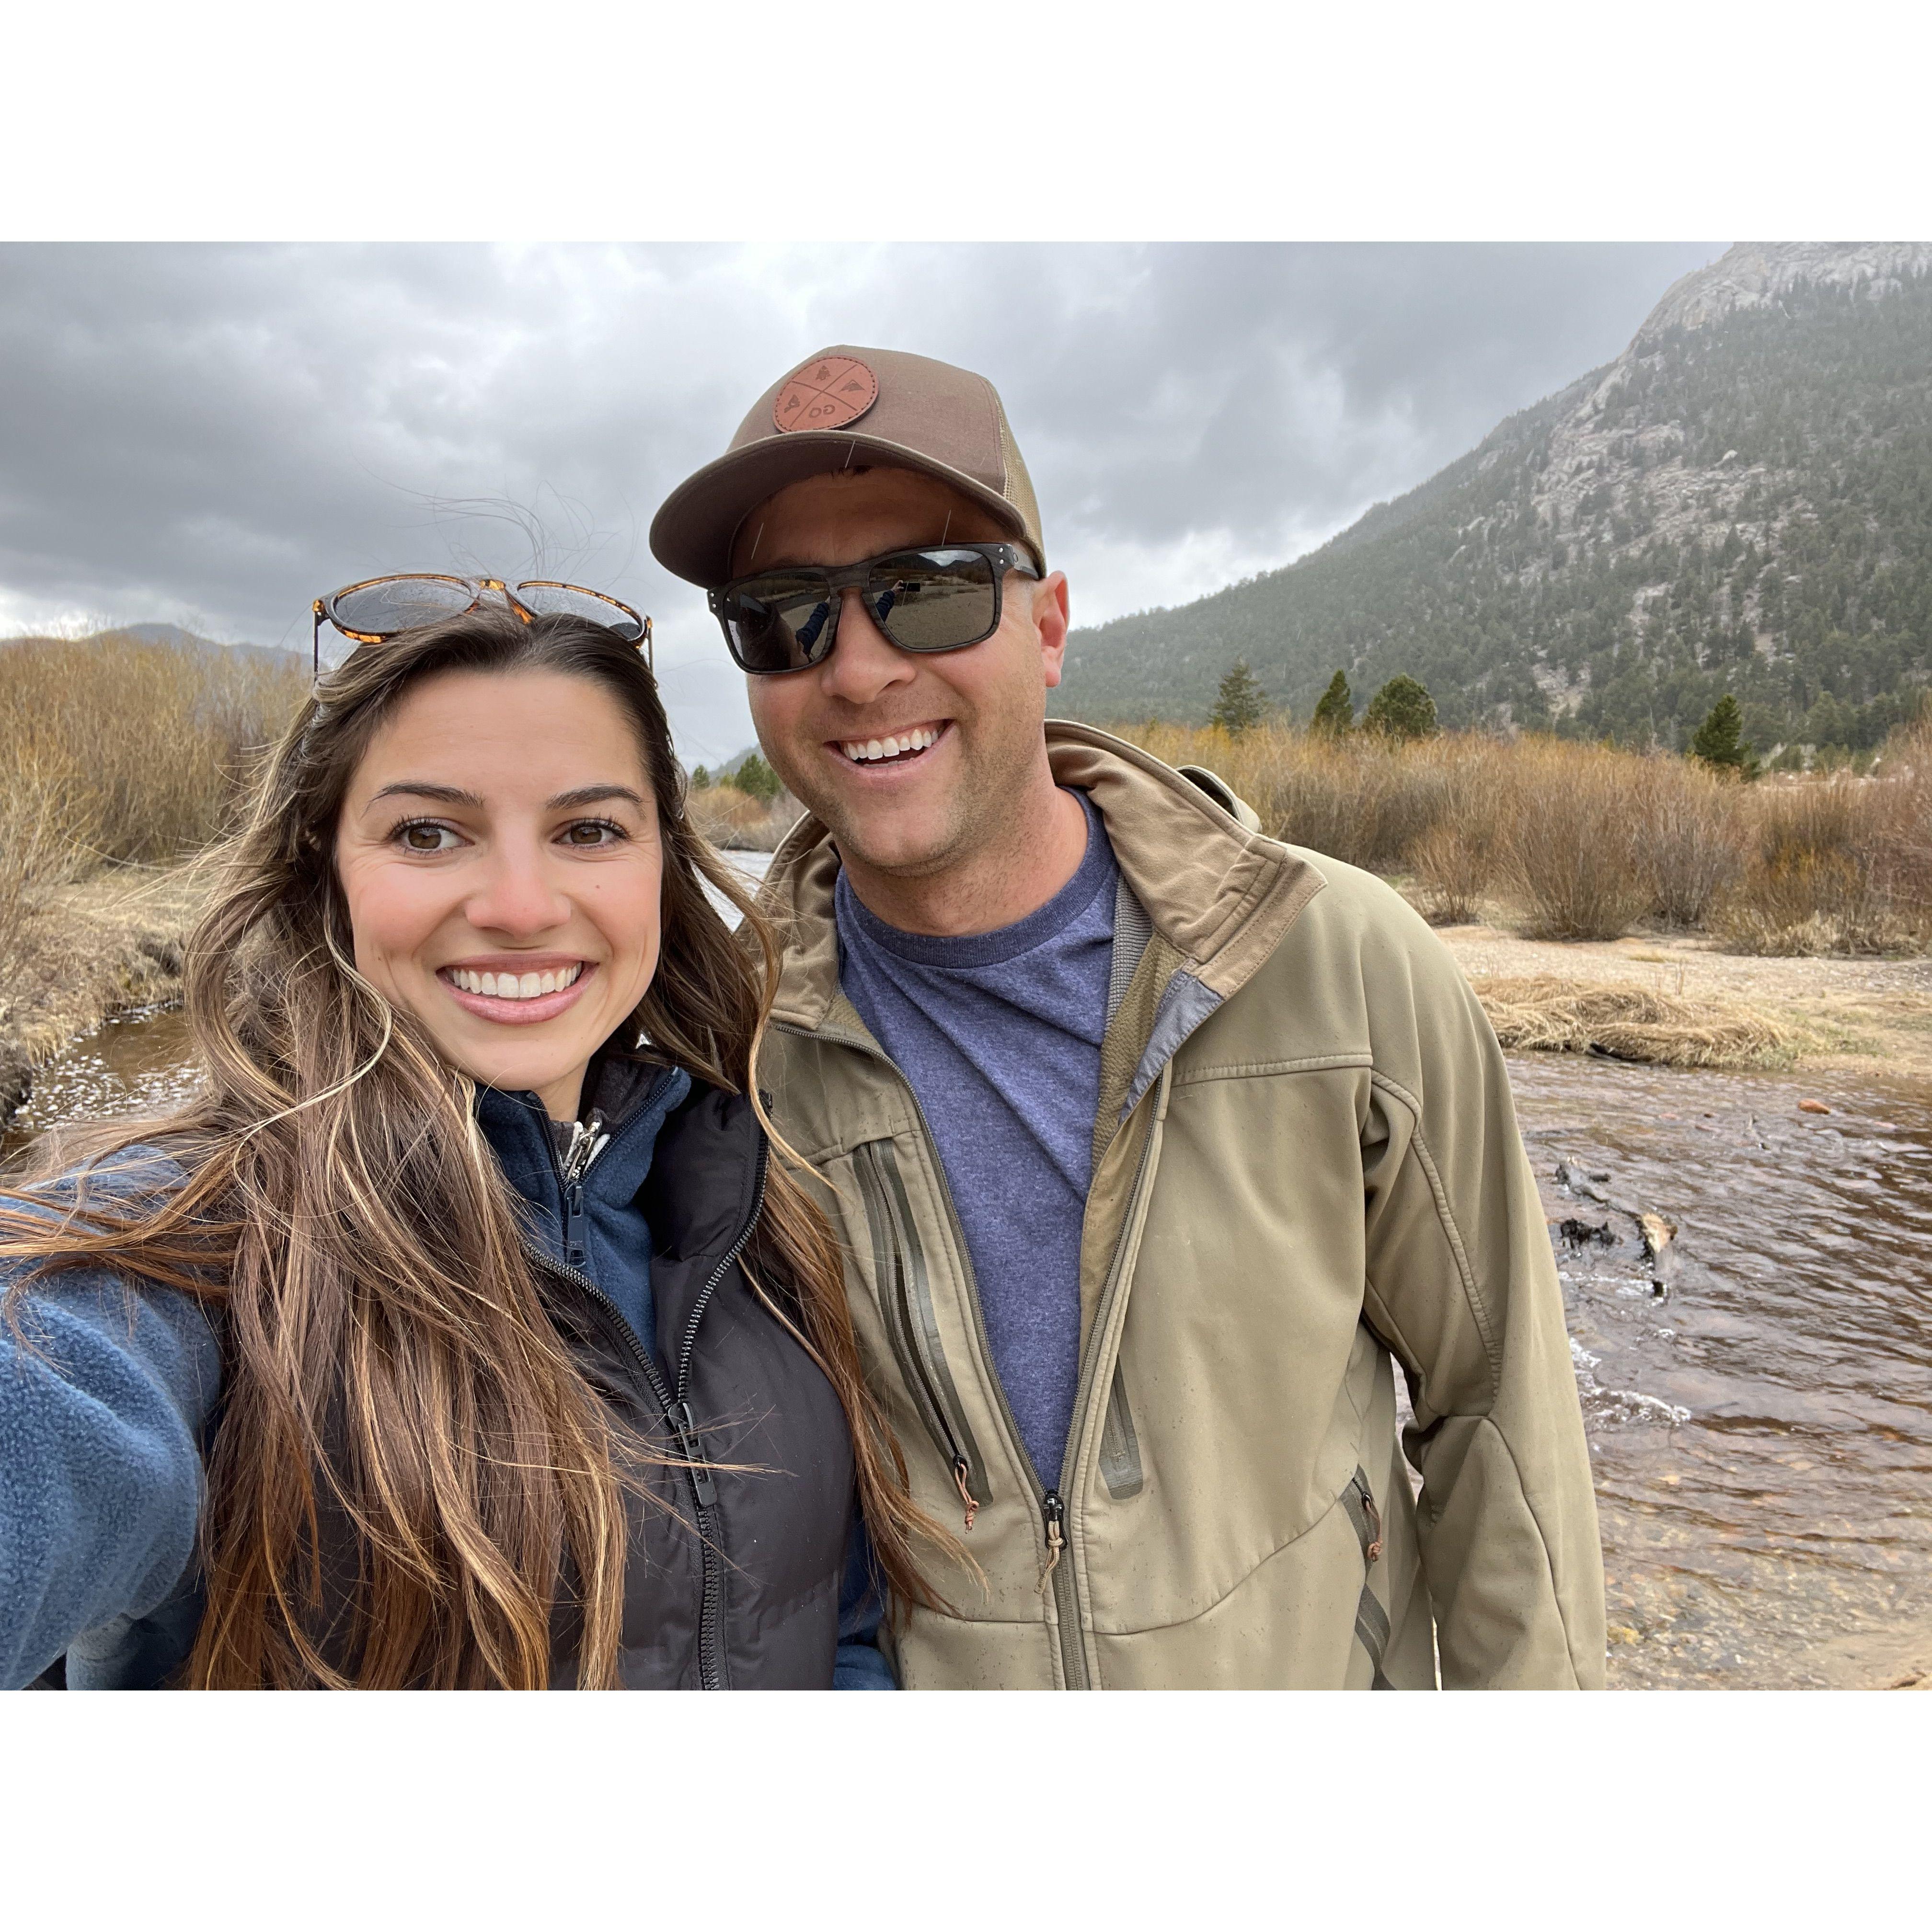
[863,664]
[517,895]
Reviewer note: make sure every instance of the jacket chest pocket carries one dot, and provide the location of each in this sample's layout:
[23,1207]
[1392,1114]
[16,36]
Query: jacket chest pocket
[905,1301]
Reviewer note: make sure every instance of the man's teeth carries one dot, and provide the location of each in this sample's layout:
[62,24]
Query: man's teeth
[865,751]
[516,985]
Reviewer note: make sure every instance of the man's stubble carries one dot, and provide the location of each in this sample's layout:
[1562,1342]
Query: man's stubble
[974,819]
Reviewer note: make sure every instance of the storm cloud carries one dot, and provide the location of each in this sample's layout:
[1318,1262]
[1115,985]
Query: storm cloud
[212,435]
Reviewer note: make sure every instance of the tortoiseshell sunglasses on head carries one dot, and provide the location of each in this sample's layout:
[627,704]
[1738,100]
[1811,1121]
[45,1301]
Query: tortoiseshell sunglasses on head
[382,607]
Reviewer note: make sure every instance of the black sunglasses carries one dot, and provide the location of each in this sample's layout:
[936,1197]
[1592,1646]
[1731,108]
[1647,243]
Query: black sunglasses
[942,599]
[380,608]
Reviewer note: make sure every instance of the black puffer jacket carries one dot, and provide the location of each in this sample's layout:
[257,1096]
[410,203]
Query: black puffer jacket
[734,1582]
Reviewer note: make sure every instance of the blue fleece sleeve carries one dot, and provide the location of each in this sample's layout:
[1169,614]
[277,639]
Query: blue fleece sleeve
[860,1664]
[103,1395]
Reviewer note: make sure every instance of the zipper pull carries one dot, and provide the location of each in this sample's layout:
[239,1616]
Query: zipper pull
[961,1470]
[1053,1513]
[1375,1516]
[574,1252]
[685,1424]
[587,1141]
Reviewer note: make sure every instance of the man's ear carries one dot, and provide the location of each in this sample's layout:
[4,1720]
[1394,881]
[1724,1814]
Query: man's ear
[1050,620]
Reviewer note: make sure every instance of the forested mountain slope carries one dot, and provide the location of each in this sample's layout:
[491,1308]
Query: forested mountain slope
[1741,502]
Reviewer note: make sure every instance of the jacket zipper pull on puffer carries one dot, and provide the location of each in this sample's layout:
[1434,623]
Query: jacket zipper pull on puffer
[960,1473]
[1053,1513]
[685,1425]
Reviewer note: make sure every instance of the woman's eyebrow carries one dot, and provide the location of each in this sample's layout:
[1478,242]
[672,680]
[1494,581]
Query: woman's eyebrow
[564,801]
[418,788]
[593,795]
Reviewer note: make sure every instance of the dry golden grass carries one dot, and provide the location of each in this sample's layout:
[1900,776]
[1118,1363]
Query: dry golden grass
[1360,800]
[1584,841]
[1574,852]
[119,751]
[736,822]
[36,854]
[147,746]
[1838,864]
[1626,1022]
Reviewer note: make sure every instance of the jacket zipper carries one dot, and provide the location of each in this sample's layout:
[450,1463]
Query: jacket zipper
[913,1331]
[1049,1500]
[587,1141]
[1073,1653]
[676,1411]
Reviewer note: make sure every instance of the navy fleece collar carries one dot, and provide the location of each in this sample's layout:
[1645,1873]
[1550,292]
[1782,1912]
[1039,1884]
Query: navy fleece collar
[635,1101]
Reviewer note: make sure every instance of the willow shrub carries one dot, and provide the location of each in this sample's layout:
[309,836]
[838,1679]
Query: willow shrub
[147,746]
[1584,841]
[116,749]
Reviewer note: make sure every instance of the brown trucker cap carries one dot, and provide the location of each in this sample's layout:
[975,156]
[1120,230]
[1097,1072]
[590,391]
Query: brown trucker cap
[848,408]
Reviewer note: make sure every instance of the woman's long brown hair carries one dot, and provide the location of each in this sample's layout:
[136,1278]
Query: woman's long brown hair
[389,1367]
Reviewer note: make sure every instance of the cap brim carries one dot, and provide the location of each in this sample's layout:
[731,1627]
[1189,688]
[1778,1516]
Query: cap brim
[692,533]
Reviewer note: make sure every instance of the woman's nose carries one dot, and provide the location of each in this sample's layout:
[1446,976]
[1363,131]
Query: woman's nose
[517,895]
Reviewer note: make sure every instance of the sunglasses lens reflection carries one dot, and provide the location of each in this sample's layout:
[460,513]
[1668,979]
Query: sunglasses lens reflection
[400,604]
[564,600]
[933,600]
[779,622]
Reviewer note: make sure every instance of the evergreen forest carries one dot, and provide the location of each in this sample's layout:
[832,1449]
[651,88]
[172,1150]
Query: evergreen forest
[1742,507]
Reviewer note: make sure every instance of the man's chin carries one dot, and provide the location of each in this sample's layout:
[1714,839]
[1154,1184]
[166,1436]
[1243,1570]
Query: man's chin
[901,845]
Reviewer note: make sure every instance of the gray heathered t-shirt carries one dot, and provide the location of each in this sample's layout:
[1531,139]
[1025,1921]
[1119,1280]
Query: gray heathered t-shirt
[999,1034]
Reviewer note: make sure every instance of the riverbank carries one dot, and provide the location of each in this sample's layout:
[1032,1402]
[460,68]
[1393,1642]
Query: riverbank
[88,951]
[1871,1017]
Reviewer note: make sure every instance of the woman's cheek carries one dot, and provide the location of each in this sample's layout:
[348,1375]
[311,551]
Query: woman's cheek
[644,939]
[389,923]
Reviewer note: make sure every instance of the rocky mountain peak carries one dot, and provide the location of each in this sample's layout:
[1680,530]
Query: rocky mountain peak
[1753,275]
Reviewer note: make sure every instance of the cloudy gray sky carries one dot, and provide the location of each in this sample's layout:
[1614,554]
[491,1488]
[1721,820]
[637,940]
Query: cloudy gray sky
[212,435]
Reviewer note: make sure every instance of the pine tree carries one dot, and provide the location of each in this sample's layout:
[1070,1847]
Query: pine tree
[1335,715]
[757,779]
[1239,703]
[700,780]
[1402,709]
[1720,740]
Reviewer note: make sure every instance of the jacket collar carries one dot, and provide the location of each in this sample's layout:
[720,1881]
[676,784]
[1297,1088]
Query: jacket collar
[635,1097]
[1221,896]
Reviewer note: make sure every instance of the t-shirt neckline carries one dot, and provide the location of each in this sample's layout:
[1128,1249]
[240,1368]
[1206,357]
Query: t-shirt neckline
[1004,943]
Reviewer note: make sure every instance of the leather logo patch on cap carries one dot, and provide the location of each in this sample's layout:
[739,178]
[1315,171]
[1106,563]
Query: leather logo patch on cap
[828,394]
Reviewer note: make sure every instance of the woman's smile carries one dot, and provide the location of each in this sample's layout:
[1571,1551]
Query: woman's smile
[517,990]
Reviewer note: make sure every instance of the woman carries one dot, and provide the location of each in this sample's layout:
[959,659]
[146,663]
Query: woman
[466,1332]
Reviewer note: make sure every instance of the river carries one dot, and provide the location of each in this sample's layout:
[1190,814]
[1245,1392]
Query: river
[1761,1431]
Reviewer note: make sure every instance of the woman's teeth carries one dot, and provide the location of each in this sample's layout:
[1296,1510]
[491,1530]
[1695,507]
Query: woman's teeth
[868,751]
[516,985]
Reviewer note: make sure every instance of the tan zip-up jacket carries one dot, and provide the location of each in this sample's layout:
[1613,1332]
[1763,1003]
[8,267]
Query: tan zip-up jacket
[1306,1162]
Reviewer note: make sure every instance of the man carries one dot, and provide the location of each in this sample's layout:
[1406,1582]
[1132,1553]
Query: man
[1151,1139]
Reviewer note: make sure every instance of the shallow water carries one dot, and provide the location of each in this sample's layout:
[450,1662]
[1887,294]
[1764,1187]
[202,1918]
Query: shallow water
[135,1063]
[1761,1432]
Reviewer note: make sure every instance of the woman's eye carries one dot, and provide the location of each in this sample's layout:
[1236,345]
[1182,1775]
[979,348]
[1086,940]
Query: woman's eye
[593,831]
[422,835]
